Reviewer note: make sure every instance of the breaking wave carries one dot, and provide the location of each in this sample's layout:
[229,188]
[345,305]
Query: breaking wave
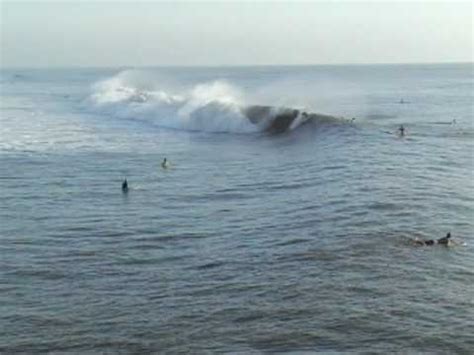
[216,106]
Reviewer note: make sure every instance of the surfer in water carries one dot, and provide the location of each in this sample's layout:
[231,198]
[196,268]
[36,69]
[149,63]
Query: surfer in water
[446,241]
[164,163]
[125,186]
[401,130]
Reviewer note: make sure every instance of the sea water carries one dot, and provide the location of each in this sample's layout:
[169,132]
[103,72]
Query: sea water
[248,242]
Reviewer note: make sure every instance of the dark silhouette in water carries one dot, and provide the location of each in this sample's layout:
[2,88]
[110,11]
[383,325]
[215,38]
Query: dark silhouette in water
[442,241]
[125,186]
[164,163]
[445,240]
[401,129]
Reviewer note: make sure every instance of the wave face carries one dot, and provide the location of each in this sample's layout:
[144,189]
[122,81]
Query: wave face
[215,106]
[278,120]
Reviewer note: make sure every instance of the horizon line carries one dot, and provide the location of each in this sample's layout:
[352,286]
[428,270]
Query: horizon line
[129,66]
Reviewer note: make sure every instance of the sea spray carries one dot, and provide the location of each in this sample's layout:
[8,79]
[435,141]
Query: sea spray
[212,106]
[209,107]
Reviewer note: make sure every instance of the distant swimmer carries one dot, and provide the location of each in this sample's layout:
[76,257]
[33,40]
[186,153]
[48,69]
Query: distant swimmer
[125,186]
[402,101]
[401,130]
[165,164]
[446,241]
[353,119]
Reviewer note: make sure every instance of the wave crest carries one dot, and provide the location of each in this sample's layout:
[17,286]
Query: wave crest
[210,107]
[215,106]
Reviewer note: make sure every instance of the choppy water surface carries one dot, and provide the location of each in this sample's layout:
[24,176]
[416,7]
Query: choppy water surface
[249,242]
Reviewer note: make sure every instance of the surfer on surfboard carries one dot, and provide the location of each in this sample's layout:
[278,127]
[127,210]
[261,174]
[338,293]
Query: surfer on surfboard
[446,241]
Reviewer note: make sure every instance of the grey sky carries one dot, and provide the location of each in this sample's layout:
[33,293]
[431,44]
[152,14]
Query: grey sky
[109,33]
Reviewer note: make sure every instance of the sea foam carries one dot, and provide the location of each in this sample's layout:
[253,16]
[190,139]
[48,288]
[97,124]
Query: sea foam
[210,107]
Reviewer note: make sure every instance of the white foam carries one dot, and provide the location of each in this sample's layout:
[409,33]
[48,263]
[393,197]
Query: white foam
[210,107]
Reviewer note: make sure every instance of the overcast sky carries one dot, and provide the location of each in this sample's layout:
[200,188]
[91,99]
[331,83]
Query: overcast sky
[149,33]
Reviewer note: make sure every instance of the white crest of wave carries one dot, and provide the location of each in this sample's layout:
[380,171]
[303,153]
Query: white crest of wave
[210,107]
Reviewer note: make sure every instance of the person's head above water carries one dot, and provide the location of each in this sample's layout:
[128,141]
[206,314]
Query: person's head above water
[125,185]
[445,240]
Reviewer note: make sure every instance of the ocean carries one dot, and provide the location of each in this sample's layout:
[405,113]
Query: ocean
[251,241]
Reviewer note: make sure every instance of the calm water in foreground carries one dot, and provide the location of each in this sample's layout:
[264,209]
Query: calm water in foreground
[249,242]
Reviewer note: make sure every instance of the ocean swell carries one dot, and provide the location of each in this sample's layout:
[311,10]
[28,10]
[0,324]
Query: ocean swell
[215,106]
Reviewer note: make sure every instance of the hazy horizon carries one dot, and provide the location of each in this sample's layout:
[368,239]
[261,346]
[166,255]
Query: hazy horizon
[164,34]
[171,66]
